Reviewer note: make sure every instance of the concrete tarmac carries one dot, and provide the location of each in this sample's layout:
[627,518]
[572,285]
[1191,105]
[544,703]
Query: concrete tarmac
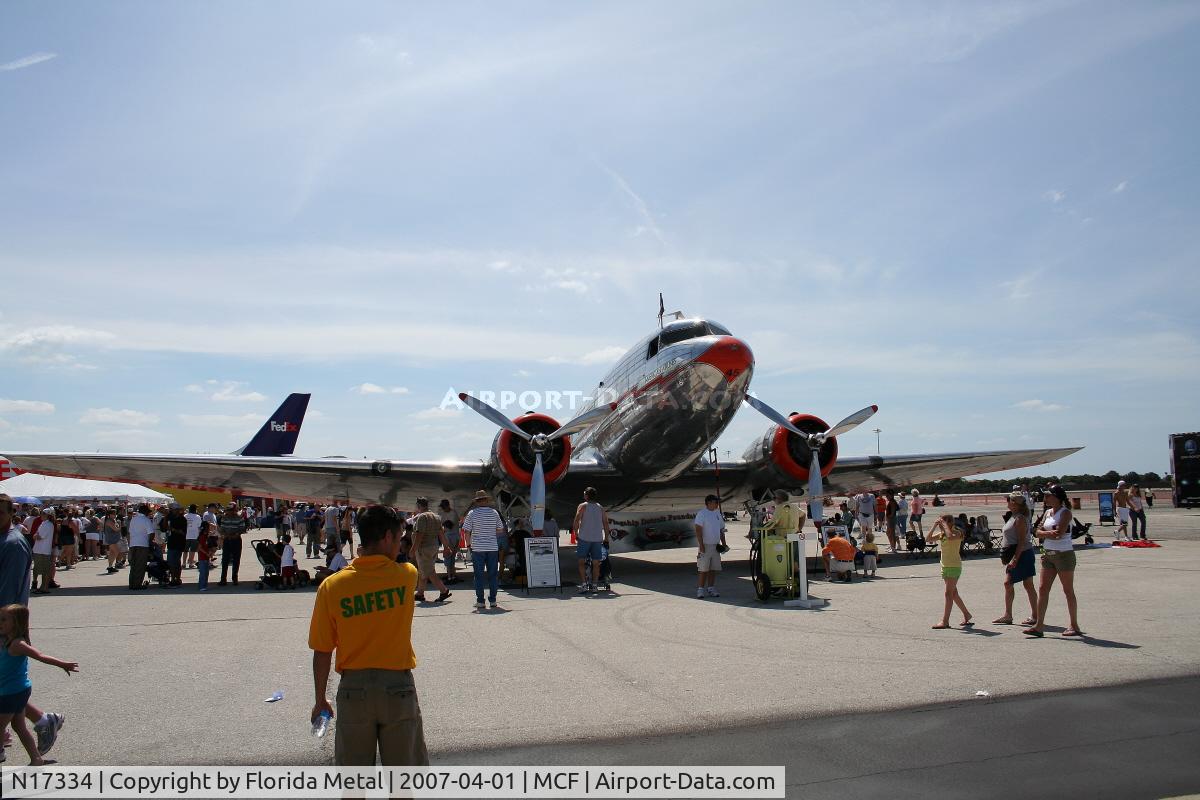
[651,674]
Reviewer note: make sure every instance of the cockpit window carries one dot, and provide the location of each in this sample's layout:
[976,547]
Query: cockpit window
[681,333]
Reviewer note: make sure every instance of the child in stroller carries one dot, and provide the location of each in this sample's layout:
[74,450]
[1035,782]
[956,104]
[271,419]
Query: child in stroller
[156,566]
[268,554]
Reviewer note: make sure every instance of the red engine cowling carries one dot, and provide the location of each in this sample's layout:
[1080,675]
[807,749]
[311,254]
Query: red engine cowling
[513,459]
[785,456]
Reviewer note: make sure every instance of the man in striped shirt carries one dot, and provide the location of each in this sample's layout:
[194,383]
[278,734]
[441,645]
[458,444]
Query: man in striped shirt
[479,530]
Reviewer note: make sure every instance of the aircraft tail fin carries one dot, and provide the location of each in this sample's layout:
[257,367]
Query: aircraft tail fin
[277,437]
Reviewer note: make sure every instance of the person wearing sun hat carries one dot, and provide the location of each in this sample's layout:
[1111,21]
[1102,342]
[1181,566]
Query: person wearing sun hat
[480,530]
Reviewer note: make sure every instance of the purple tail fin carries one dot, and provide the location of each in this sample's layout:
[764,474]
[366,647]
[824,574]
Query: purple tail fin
[278,436]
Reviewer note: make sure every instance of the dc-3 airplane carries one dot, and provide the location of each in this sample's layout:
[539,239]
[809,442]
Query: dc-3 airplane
[641,441]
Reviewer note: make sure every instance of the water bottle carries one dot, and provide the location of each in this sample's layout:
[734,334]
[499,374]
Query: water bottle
[320,725]
[603,552]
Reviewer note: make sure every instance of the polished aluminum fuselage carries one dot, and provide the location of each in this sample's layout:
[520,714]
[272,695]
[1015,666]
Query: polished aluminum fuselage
[670,408]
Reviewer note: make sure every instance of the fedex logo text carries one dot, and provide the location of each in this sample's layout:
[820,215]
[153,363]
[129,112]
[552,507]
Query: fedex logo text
[283,427]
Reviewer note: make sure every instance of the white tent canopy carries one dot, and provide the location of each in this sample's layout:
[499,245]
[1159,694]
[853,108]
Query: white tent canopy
[49,488]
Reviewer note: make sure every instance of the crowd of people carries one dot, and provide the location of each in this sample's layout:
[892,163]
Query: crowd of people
[163,543]
[1052,529]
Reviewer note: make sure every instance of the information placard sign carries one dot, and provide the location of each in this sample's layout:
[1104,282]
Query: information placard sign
[1106,508]
[541,562]
[829,531]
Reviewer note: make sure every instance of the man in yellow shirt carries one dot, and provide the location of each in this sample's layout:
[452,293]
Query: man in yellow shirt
[364,612]
[787,519]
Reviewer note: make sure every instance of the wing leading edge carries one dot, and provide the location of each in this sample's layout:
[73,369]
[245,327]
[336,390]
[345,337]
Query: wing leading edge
[401,482]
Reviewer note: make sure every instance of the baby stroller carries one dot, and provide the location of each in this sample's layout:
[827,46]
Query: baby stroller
[156,567]
[268,554]
[1081,529]
[916,544]
[604,581]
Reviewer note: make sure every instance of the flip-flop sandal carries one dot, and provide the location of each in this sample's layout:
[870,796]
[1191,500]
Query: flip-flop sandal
[1006,621]
[1034,634]
[967,624]
[940,627]
[1072,632]
[1029,621]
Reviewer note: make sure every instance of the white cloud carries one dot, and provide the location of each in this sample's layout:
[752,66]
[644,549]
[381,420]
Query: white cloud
[27,61]
[1055,195]
[1120,187]
[124,416]
[221,420]
[43,346]
[383,47]
[229,393]
[1021,287]
[579,287]
[374,388]
[26,407]
[503,265]
[194,388]
[1039,405]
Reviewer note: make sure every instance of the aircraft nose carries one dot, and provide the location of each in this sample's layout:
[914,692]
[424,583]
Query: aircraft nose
[730,355]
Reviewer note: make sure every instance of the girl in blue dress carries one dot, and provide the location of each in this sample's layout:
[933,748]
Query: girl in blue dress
[15,652]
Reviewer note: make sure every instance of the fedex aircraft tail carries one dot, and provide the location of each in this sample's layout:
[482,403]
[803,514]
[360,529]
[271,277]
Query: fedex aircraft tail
[278,436]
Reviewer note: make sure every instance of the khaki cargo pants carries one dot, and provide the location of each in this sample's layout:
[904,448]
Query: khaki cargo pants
[377,709]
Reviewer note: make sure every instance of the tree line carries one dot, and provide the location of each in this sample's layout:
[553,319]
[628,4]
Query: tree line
[1069,482]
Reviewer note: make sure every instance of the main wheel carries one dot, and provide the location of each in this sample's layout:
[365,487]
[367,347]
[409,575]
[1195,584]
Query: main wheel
[762,587]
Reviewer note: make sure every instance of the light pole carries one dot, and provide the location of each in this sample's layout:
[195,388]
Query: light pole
[877,432]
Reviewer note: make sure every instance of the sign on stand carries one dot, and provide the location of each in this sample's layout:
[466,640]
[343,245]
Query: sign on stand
[541,563]
[1106,508]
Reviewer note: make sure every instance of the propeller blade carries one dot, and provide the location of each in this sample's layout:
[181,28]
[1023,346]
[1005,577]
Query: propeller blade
[774,416]
[584,420]
[815,487]
[493,414]
[537,496]
[851,422]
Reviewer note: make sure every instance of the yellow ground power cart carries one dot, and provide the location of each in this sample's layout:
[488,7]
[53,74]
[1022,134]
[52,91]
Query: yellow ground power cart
[774,567]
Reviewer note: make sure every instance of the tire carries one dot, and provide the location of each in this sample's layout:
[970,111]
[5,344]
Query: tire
[762,588]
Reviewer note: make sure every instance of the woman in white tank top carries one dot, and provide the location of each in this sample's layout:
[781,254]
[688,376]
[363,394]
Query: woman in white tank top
[1058,561]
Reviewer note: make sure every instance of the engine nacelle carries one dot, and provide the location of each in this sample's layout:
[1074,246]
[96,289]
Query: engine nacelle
[512,458]
[782,458]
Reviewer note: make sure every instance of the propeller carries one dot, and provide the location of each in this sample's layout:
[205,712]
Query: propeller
[814,441]
[539,443]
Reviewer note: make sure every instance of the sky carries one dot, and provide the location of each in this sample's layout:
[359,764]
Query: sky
[981,217]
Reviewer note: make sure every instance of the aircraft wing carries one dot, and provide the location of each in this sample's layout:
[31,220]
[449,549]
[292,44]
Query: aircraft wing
[738,481]
[314,479]
[401,482]
[852,475]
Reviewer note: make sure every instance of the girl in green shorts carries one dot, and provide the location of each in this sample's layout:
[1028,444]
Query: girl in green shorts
[951,538]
